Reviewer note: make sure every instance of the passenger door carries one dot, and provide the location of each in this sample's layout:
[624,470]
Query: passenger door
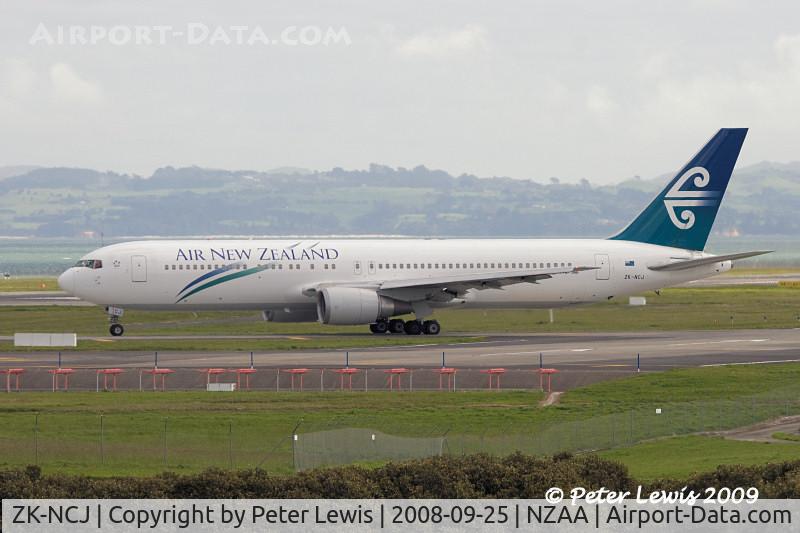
[603,268]
[138,268]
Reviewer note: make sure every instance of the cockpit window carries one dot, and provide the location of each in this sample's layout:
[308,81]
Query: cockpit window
[90,263]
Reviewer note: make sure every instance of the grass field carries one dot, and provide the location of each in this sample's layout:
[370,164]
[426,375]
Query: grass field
[782,435]
[63,431]
[680,457]
[674,309]
[26,284]
[333,342]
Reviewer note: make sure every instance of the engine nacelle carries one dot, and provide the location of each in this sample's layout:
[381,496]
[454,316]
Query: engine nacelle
[352,306]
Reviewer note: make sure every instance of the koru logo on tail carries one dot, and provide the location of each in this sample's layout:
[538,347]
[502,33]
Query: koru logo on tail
[677,198]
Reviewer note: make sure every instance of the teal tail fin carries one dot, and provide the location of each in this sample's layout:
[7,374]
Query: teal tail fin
[681,216]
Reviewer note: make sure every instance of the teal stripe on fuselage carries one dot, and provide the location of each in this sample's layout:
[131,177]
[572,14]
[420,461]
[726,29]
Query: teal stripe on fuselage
[223,279]
[206,276]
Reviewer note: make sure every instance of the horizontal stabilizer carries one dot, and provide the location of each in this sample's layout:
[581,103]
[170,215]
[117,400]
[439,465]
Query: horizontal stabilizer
[692,263]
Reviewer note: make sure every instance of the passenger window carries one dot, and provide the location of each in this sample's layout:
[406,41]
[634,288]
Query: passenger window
[311,266]
[333,266]
[429,265]
[166,267]
[326,266]
[548,265]
[527,265]
[173,267]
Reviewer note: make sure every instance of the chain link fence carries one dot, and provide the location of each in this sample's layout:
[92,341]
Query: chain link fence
[146,443]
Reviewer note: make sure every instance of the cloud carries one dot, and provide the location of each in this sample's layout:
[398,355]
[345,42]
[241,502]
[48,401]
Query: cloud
[18,77]
[442,43]
[69,86]
[787,48]
[763,93]
[598,100]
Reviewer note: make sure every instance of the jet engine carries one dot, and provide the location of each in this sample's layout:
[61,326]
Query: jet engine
[352,306]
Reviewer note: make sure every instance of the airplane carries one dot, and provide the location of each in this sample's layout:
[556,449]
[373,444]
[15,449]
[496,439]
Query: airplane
[377,282]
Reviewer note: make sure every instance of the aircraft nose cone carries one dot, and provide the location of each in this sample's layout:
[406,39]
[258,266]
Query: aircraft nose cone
[67,281]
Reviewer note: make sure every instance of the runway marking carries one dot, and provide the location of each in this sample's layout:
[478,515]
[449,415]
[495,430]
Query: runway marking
[539,351]
[401,347]
[755,362]
[70,298]
[717,342]
[12,360]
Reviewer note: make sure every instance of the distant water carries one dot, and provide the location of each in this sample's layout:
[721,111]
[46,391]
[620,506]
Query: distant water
[37,256]
[786,249]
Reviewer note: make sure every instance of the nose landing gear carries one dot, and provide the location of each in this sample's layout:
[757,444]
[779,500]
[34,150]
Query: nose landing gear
[114,314]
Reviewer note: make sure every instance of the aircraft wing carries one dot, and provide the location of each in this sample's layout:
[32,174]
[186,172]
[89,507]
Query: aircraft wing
[443,288]
[449,286]
[691,263]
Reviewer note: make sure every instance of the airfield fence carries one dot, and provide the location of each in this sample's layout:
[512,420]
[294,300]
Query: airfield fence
[143,443]
[296,379]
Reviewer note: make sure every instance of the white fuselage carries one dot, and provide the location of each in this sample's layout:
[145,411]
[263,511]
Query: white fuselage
[154,274]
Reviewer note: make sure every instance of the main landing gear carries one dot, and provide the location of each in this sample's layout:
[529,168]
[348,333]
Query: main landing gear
[114,314]
[411,327]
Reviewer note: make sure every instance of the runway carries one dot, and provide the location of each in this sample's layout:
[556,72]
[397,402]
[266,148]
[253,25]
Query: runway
[580,358]
[657,350]
[37,298]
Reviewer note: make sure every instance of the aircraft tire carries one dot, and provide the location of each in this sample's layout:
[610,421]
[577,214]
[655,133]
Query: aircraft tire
[116,330]
[413,327]
[431,327]
[396,325]
[379,328]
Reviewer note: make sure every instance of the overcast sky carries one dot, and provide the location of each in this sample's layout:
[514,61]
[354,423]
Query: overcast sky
[597,90]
